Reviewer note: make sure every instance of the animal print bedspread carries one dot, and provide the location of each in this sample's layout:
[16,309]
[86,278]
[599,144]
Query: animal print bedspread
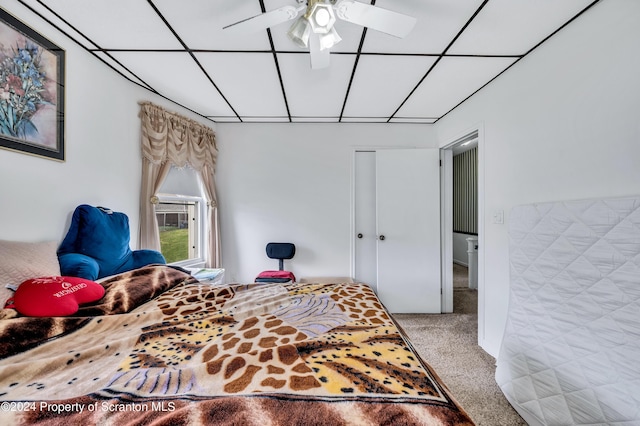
[257,354]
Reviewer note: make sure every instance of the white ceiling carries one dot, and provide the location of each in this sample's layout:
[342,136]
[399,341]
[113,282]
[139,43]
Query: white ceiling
[179,50]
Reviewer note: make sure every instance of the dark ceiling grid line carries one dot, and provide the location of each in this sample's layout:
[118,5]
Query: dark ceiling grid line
[300,52]
[193,56]
[185,50]
[277,64]
[562,27]
[353,71]
[57,15]
[146,86]
[521,57]
[355,67]
[426,55]
[464,27]
[106,52]
[415,88]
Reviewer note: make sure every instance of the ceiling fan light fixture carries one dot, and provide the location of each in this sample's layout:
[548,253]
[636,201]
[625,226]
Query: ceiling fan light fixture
[330,39]
[321,17]
[300,31]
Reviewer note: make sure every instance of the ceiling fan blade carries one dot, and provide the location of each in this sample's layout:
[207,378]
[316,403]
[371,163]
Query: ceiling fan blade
[376,18]
[319,57]
[265,20]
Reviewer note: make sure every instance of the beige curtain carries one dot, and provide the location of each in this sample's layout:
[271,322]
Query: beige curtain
[169,139]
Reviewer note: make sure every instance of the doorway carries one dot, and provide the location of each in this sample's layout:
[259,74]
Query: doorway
[459,263]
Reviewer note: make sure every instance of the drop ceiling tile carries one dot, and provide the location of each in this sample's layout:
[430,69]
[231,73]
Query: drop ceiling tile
[451,81]
[200,23]
[507,27]
[438,22]
[315,93]
[117,24]
[60,23]
[249,82]
[381,83]
[188,84]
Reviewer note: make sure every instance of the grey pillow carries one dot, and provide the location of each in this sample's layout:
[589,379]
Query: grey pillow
[21,261]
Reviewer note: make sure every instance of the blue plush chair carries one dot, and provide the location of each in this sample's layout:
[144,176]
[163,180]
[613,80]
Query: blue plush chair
[97,245]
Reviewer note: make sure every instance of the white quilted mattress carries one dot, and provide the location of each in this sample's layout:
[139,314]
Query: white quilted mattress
[571,348]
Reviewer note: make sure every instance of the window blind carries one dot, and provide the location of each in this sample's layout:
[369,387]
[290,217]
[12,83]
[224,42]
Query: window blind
[465,192]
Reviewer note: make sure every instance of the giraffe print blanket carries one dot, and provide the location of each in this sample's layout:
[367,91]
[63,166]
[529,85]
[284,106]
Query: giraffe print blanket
[163,348]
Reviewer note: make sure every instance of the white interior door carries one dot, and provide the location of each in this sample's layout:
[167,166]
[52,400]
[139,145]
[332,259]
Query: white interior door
[365,263]
[397,226]
[408,225]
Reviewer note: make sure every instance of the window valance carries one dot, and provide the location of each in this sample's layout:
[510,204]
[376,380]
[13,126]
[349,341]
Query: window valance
[170,137]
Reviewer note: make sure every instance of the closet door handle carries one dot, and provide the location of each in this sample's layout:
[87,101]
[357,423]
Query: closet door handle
[359,235]
[381,237]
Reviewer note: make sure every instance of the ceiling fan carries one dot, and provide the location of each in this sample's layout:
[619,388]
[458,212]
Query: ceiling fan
[314,29]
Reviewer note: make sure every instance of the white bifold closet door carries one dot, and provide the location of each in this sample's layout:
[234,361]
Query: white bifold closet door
[397,227]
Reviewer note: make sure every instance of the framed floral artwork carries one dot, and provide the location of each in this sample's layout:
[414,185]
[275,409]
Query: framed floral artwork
[31,91]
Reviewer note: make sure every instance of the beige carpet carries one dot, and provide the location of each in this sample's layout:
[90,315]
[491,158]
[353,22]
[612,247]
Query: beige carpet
[460,276]
[449,343]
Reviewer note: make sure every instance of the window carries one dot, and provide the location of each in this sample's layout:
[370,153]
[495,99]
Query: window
[179,223]
[180,214]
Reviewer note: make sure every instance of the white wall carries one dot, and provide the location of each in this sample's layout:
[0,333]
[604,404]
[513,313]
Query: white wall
[292,183]
[102,142]
[563,123]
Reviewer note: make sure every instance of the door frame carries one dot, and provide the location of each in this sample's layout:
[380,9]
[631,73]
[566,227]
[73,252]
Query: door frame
[446,155]
[446,228]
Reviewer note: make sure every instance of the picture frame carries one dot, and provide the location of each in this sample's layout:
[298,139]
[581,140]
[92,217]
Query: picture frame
[31,91]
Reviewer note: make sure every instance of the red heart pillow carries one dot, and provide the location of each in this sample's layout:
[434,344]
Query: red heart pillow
[55,296]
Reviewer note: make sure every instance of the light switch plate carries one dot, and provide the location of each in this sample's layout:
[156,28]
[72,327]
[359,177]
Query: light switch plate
[498,216]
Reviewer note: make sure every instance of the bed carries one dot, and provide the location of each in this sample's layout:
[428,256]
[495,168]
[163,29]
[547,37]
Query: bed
[571,345]
[163,348]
